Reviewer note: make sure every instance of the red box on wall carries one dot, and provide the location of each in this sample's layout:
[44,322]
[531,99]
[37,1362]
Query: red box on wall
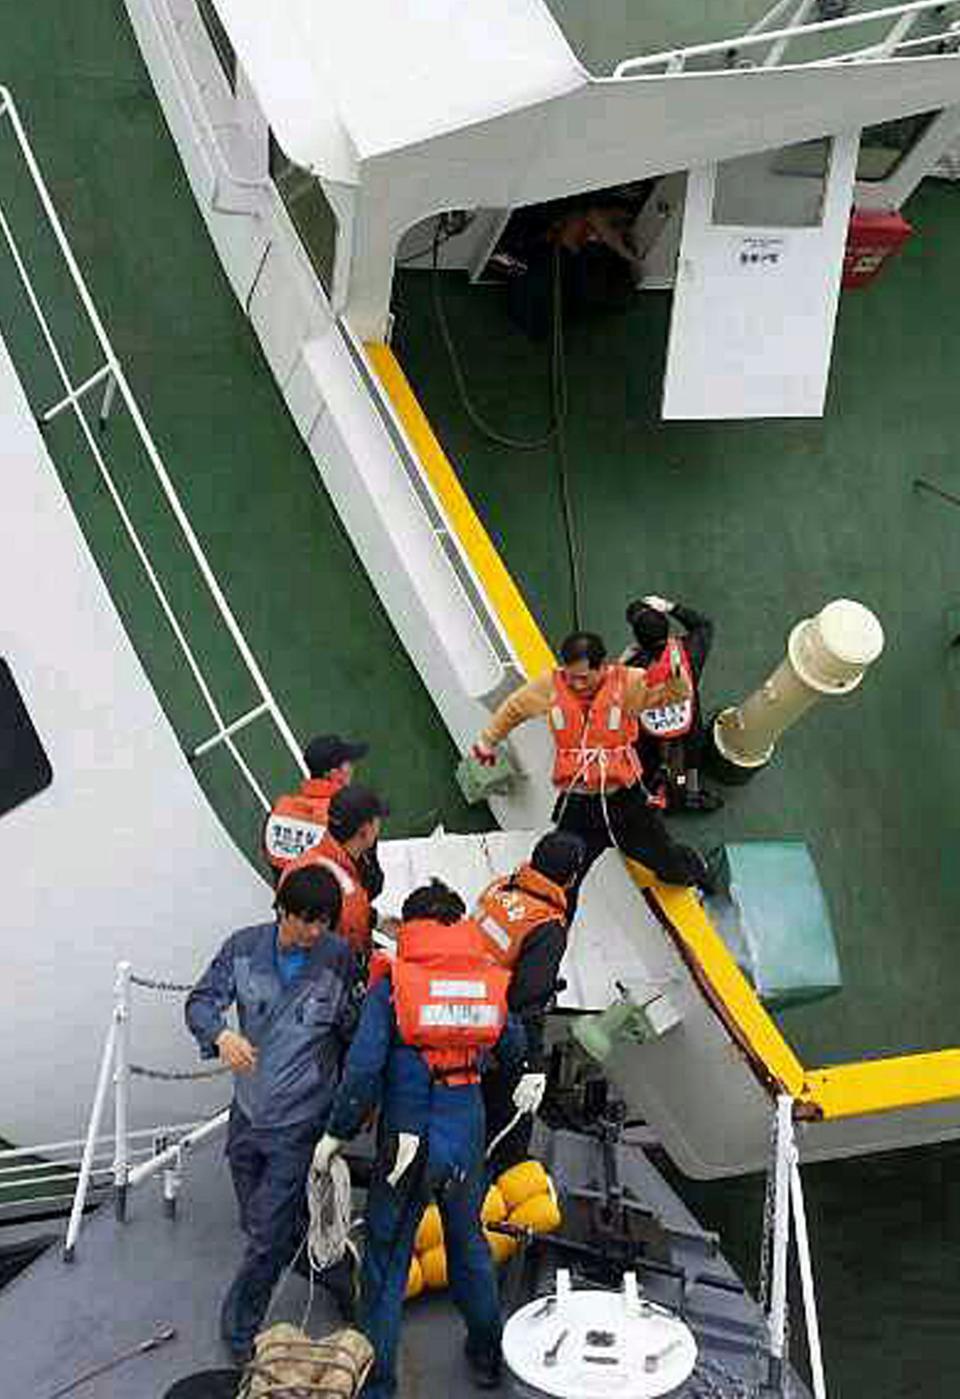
[875,236]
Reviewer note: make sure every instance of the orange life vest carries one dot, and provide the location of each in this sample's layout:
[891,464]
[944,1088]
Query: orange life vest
[356,916]
[510,909]
[298,820]
[676,719]
[594,737]
[450,999]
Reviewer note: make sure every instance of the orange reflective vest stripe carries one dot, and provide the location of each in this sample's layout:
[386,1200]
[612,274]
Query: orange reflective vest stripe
[450,999]
[676,719]
[594,737]
[510,909]
[298,820]
[356,916]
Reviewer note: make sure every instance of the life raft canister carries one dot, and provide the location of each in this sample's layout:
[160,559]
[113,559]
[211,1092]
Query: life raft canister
[512,908]
[298,820]
[673,720]
[594,737]
[450,998]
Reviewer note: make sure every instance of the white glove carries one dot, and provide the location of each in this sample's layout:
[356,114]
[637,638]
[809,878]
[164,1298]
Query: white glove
[324,1152]
[661,604]
[528,1094]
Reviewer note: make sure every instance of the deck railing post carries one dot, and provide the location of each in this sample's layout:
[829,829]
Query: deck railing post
[121,1080]
[788,1205]
[777,1316]
[90,1144]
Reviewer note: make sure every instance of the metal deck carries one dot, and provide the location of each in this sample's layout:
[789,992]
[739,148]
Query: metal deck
[58,1321]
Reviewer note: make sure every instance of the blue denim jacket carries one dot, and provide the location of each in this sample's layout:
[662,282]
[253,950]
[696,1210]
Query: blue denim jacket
[299,1030]
[381,1070]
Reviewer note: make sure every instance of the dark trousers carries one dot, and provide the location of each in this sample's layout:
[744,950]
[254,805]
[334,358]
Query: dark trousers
[392,1219]
[269,1168]
[634,828]
[671,757]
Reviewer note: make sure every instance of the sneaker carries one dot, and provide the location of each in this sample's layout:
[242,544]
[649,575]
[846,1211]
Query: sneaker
[486,1367]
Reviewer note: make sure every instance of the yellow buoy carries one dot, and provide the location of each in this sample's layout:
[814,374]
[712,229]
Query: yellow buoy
[430,1231]
[494,1207]
[501,1245]
[521,1182]
[540,1213]
[414,1278]
[433,1266]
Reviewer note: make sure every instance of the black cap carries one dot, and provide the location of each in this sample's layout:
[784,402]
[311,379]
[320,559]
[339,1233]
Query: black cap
[351,807]
[328,751]
[649,625]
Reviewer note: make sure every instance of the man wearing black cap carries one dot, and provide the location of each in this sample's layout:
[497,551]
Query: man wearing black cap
[524,919]
[348,849]
[671,736]
[299,819]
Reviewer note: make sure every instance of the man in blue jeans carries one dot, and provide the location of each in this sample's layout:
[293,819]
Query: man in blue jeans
[291,982]
[418,1053]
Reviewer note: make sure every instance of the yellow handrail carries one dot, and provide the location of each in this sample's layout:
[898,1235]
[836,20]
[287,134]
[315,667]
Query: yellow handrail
[845,1090]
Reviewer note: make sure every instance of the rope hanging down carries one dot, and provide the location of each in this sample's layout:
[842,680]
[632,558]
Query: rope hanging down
[559,403]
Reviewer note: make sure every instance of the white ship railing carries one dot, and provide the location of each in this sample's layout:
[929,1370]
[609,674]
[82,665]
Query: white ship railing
[134,1161]
[131,1163]
[740,51]
[111,376]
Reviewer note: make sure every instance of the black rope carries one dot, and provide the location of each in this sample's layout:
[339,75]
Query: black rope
[155,984]
[177,1075]
[559,409]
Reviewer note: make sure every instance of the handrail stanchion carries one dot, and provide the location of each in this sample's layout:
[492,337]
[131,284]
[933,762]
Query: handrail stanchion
[811,1320]
[788,1205]
[121,1080]
[90,1145]
[777,1319]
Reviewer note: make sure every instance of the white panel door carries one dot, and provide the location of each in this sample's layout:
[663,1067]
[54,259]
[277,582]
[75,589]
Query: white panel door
[757,283]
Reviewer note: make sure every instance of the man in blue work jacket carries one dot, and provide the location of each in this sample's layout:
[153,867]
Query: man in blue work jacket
[291,983]
[427,1084]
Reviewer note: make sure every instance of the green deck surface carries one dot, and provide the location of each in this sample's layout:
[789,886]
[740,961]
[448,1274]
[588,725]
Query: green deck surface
[757,523]
[249,485]
[760,524]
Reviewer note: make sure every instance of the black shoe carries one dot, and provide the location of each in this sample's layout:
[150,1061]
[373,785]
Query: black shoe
[240,1356]
[486,1367]
[716,876]
[701,801]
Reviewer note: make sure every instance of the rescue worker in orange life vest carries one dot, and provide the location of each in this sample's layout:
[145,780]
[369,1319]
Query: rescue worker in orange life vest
[298,819]
[427,1026]
[671,741]
[591,707]
[523,918]
[348,849]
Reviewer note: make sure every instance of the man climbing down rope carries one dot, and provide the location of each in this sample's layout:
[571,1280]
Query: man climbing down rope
[592,708]
[671,741]
[348,849]
[428,1021]
[524,921]
[291,983]
[299,819]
